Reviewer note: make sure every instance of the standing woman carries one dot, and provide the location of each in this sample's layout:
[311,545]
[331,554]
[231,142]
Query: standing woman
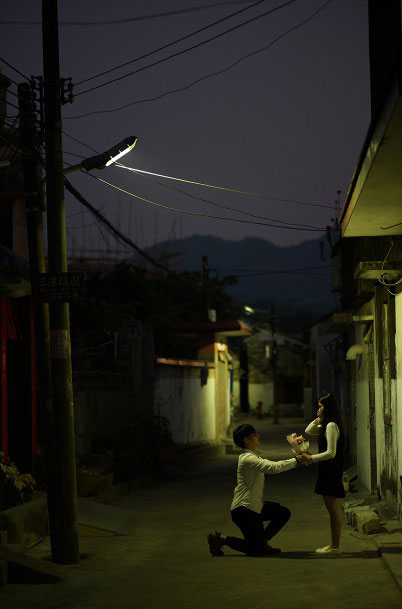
[331,443]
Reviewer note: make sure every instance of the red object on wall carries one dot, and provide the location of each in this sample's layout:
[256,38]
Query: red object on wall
[33,387]
[3,365]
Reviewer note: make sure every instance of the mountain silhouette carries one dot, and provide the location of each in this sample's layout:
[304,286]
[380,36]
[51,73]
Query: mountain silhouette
[296,277]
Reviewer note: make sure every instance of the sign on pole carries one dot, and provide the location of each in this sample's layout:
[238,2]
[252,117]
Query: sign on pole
[59,287]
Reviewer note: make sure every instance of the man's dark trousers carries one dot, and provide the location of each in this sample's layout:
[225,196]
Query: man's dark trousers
[251,525]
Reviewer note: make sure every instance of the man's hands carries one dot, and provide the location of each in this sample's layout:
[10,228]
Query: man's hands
[304,458]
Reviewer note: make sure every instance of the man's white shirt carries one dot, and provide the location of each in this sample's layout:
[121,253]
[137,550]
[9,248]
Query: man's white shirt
[250,478]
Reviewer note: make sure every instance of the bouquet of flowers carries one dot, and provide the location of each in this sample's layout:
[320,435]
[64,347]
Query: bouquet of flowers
[298,443]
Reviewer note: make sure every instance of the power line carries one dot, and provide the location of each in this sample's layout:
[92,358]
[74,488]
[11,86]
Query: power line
[145,174]
[240,211]
[6,117]
[79,141]
[202,78]
[11,104]
[130,19]
[192,213]
[304,268]
[198,44]
[9,92]
[73,154]
[194,33]
[24,95]
[100,216]
[17,146]
[286,271]
[165,46]
[391,226]
[224,188]
[15,69]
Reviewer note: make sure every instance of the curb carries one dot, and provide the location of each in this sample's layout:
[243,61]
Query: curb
[389,544]
[391,553]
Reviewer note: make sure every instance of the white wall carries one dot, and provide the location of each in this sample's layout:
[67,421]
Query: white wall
[261,392]
[188,405]
[362,409]
[398,409]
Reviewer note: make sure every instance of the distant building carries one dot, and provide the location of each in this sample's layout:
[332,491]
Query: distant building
[254,363]
[18,397]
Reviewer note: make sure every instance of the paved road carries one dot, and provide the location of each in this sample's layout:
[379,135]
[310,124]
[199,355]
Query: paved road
[164,562]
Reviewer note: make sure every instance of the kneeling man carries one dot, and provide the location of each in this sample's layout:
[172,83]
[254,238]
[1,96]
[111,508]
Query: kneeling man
[248,510]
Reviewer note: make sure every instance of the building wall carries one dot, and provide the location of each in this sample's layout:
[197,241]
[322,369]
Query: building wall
[261,392]
[188,405]
[323,378]
[398,425]
[289,373]
[104,411]
[362,406]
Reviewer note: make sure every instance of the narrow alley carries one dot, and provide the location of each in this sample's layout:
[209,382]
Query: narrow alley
[164,561]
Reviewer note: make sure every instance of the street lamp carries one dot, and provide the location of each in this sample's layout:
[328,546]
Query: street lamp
[248,310]
[105,159]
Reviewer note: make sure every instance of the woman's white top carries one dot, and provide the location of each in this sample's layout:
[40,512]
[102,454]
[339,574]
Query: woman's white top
[250,478]
[331,433]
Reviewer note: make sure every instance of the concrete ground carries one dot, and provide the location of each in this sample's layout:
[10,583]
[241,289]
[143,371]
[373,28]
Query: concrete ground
[162,561]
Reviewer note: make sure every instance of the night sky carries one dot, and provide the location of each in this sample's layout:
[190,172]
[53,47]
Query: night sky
[287,122]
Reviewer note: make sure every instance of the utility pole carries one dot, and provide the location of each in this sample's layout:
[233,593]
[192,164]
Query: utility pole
[274,362]
[34,211]
[65,547]
[206,289]
[205,284]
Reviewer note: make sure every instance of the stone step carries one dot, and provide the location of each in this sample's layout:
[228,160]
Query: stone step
[26,569]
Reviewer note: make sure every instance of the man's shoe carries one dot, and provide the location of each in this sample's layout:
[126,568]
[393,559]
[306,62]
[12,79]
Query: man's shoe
[215,544]
[328,551]
[270,550]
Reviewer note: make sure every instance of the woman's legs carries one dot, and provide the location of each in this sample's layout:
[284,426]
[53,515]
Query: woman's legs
[332,505]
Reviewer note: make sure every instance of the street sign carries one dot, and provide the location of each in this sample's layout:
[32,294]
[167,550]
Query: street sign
[59,287]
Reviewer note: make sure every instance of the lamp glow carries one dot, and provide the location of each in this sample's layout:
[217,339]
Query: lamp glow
[121,153]
[248,310]
[100,161]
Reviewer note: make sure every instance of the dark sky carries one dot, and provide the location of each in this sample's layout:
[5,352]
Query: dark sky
[288,122]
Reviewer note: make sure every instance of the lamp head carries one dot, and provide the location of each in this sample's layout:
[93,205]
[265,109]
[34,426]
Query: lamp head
[100,161]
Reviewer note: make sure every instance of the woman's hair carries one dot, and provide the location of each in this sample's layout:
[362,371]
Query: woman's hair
[331,411]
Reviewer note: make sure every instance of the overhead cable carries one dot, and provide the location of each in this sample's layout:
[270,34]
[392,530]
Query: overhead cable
[79,141]
[391,226]
[192,213]
[239,211]
[131,19]
[14,68]
[11,104]
[286,271]
[224,188]
[202,78]
[102,218]
[195,46]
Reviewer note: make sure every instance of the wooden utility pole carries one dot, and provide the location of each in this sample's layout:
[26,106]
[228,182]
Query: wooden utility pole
[274,363]
[65,547]
[205,285]
[34,214]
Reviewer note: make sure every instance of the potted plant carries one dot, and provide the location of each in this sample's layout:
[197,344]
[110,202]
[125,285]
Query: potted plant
[15,488]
